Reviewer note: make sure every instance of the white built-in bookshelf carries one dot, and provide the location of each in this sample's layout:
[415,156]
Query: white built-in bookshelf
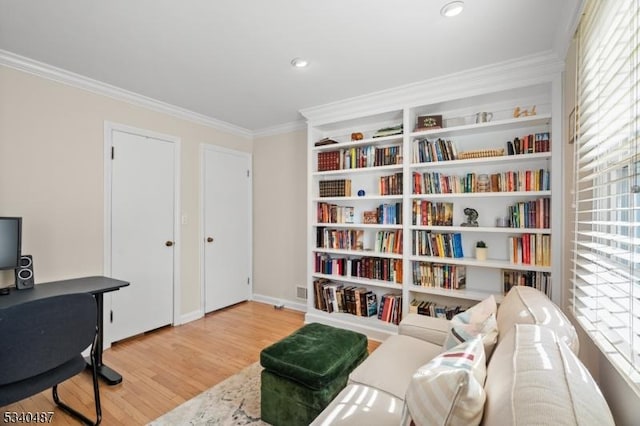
[421,246]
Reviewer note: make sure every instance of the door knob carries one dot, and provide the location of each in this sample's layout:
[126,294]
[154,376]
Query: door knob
[168,243]
[209,239]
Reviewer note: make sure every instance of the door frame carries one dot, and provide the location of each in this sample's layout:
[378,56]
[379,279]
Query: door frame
[109,128]
[208,147]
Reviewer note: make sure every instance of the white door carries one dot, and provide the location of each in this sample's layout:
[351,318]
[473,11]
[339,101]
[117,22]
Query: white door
[142,232]
[227,227]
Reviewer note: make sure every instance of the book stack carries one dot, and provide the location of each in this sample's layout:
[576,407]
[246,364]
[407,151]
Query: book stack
[529,144]
[328,160]
[369,156]
[538,280]
[427,243]
[530,249]
[390,308]
[389,241]
[390,185]
[389,214]
[372,268]
[427,213]
[522,180]
[439,275]
[531,214]
[388,131]
[333,297]
[332,213]
[335,188]
[340,239]
[432,309]
[426,151]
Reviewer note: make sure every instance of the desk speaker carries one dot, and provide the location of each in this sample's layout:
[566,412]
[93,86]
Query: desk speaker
[24,274]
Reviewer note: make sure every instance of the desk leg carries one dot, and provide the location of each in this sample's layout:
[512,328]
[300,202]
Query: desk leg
[109,375]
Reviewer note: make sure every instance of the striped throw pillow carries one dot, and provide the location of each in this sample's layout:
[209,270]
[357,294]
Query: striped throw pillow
[479,320]
[448,391]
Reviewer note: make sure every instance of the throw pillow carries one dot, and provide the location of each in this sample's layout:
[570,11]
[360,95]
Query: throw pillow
[448,391]
[479,320]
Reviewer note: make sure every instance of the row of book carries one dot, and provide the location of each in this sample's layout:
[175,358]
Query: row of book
[340,239]
[429,213]
[390,185]
[530,214]
[439,183]
[389,214]
[335,188]
[359,157]
[334,297]
[333,213]
[530,249]
[439,275]
[426,151]
[529,144]
[388,241]
[433,309]
[369,267]
[538,280]
[427,243]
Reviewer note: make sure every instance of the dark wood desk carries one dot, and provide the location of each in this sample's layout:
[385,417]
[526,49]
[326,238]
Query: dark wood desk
[97,286]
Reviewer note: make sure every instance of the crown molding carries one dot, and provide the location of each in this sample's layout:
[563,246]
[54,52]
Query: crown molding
[294,126]
[534,69]
[69,78]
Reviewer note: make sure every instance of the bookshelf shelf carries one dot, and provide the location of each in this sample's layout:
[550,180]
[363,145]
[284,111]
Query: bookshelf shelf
[481,229]
[358,225]
[360,281]
[510,194]
[471,162]
[459,139]
[368,253]
[491,126]
[458,294]
[489,263]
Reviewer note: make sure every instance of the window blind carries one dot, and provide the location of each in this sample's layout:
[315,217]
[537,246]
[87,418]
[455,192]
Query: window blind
[606,238]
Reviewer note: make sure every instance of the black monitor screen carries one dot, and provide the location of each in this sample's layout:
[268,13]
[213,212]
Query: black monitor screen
[10,242]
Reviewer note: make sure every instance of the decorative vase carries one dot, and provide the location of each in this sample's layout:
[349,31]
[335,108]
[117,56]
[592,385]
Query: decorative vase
[481,253]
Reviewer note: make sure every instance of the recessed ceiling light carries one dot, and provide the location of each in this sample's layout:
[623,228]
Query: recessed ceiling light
[299,62]
[452,9]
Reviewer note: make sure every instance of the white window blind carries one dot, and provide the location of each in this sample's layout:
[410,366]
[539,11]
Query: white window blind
[606,240]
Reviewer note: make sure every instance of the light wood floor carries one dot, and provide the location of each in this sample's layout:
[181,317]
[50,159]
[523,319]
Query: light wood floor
[167,367]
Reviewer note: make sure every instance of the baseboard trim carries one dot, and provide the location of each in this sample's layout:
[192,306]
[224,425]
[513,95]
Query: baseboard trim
[191,316]
[296,306]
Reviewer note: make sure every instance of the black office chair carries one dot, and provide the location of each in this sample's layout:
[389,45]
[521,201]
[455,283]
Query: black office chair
[41,344]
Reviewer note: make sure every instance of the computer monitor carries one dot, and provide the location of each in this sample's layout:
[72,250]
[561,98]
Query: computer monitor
[10,242]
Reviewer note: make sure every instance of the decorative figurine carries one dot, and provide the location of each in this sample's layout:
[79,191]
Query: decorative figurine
[472,217]
[361,193]
[517,113]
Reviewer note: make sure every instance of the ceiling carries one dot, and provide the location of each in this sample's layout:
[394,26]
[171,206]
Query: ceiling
[230,59]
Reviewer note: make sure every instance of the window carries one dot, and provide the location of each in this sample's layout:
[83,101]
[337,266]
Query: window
[606,247]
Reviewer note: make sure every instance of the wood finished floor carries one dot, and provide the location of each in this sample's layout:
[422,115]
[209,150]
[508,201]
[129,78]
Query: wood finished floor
[167,367]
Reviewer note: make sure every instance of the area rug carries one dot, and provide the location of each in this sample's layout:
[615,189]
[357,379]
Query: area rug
[234,401]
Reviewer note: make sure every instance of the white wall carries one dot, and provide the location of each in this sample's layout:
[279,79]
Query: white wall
[51,174]
[279,218]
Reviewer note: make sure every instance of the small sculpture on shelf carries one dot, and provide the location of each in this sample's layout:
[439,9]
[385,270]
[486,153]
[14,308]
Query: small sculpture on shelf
[357,136]
[472,217]
[517,113]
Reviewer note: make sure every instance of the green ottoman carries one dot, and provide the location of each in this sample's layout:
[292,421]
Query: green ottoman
[304,371]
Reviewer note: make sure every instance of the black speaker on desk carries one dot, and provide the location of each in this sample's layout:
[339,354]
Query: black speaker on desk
[24,274]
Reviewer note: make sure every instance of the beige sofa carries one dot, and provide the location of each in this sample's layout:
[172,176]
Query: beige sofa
[533,375]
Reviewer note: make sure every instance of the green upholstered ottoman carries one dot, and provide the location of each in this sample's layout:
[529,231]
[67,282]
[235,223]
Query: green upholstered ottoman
[304,371]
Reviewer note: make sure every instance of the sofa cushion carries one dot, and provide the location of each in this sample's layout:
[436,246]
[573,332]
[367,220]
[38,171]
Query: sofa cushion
[479,320]
[423,327]
[449,389]
[361,405]
[390,367]
[534,378]
[526,305]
